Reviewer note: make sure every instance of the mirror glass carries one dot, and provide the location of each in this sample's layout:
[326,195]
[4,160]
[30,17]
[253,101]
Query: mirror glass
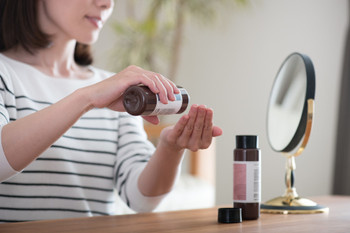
[287,108]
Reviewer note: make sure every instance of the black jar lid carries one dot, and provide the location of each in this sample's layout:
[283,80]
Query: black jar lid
[247,141]
[230,215]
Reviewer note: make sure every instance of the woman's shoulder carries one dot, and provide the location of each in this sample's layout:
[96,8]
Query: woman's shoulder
[5,67]
[3,62]
[10,65]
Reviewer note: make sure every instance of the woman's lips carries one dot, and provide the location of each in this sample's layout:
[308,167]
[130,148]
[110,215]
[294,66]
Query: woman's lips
[96,21]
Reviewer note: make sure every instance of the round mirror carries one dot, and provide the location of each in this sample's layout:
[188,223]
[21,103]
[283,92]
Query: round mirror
[287,109]
[289,120]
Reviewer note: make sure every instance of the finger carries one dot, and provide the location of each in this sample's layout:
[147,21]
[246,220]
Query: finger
[217,131]
[146,80]
[169,88]
[207,129]
[186,133]
[136,75]
[151,119]
[163,94]
[166,87]
[173,85]
[162,91]
[196,136]
[156,82]
[178,128]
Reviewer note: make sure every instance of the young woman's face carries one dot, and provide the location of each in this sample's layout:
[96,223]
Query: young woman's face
[80,20]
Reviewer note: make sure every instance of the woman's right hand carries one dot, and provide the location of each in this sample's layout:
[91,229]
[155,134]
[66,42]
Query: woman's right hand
[109,93]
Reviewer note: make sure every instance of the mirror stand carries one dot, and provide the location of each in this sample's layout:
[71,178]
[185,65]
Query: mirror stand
[290,202]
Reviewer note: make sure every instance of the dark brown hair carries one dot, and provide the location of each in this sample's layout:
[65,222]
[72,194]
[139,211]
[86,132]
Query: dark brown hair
[19,27]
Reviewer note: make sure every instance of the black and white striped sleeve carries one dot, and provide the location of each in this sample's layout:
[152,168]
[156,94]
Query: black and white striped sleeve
[134,151]
[6,97]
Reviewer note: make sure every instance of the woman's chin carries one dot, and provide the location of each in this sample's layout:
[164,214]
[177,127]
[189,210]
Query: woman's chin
[89,39]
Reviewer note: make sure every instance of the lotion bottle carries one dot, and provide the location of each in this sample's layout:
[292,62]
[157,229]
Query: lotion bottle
[140,100]
[246,176]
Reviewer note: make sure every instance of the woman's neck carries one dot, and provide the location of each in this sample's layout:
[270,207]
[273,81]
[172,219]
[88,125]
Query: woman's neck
[56,61]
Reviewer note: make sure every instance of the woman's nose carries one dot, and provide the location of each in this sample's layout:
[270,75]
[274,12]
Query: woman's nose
[105,4]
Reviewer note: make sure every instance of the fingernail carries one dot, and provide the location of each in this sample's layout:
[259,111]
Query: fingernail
[165,100]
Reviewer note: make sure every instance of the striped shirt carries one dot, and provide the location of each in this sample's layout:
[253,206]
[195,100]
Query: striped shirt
[77,176]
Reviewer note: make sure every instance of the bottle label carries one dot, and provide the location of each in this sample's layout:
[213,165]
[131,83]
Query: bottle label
[246,181]
[166,109]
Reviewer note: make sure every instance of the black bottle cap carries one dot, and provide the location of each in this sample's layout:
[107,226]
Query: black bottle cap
[230,215]
[135,99]
[247,141]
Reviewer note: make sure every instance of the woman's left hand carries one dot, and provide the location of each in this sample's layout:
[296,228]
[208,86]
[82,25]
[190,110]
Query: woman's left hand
[193,131]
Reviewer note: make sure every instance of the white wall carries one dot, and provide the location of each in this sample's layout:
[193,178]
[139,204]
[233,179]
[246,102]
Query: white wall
[231,67]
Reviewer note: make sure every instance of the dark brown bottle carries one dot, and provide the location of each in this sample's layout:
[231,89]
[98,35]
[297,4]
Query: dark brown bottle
[140,100]
[246,176]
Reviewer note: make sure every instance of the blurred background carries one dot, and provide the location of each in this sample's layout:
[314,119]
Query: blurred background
[226,54]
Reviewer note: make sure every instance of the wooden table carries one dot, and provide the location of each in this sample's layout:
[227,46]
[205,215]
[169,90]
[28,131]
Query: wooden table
[202,220]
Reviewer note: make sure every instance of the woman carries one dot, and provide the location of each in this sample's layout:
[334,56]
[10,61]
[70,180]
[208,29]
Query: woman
[66,139]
